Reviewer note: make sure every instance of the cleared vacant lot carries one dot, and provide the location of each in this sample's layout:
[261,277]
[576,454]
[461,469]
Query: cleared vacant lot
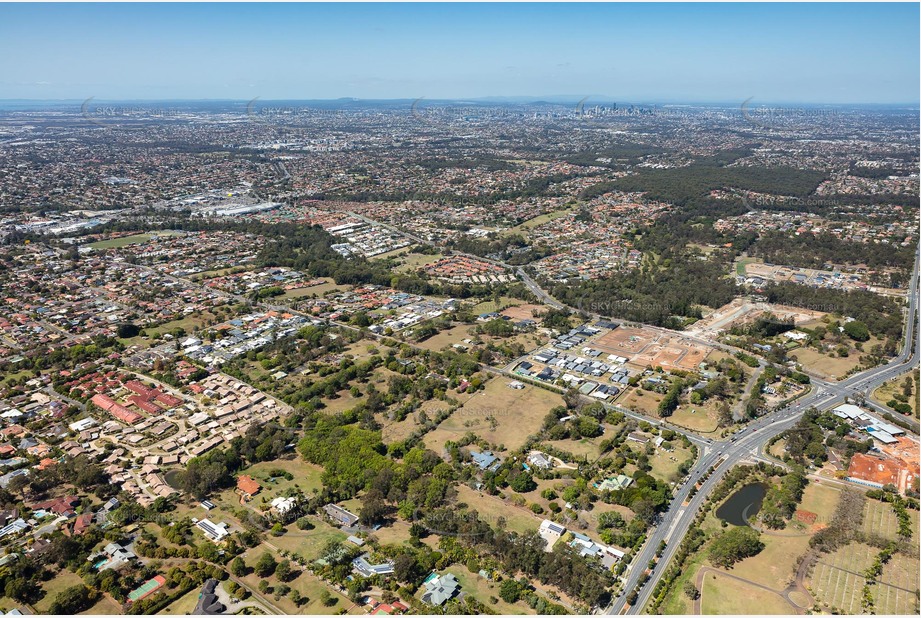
[306,475]
[491,508]
[316,290]
[305,583]
[644,402]
[886,392]
[57,584]
[308,543]
[184,605]
[447,338]
[584,447]
[500,414]
[109,607]
[702,418]
[829,364]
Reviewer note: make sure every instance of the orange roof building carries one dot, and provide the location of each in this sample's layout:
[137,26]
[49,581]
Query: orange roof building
[878,471]
[248,486]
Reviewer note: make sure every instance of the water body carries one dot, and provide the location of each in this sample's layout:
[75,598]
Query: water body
[744,504]
[172,479]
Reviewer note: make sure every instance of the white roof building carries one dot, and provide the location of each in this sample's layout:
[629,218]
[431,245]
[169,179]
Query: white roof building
[849,410]
[215,532]
[283,505]
[82,424]
[550,532]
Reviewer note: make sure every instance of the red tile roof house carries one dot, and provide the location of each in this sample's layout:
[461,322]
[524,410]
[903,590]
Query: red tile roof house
[82,523]
[62,506]
[386,609]
[46,463]
[247,486]
[139,388]
[116,409]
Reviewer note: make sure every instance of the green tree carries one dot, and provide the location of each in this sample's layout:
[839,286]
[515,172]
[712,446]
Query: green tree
[265,565]
[73,600]
[734,545]
[238,567]
[509,591]
[857,330]
[283,571]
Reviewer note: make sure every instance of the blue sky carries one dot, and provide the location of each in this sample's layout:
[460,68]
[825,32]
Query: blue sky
[776,53]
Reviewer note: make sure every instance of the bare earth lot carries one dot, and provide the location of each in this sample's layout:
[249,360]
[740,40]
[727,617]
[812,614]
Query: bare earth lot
[645,347]
[499,414]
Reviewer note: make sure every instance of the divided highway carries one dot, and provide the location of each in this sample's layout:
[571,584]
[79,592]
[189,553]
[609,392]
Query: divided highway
[747,444]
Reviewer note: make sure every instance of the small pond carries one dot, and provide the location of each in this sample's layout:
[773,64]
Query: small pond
[742,505]
[173,478]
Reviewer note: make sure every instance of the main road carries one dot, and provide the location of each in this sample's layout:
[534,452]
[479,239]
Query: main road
[747,444]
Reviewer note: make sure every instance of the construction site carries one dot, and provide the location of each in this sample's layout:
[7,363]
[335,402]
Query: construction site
[647,347]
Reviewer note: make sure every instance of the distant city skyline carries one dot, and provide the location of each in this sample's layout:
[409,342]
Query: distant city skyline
[841,53]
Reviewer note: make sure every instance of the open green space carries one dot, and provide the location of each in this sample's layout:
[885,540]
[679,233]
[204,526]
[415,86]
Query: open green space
[491,508]
[184,605]
[677,602]
[60,582]
[306,475]
[530,224]
[415,261]
[484,591]
[121,241]
[775,565]
[724,596]
[308,543]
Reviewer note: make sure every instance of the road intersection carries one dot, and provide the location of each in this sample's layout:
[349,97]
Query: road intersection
[741,446]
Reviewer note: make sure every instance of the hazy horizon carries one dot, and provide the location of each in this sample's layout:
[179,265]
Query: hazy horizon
[804,54]
[487,99]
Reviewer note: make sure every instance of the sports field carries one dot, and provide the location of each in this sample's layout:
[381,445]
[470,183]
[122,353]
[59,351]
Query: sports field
[122,241]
